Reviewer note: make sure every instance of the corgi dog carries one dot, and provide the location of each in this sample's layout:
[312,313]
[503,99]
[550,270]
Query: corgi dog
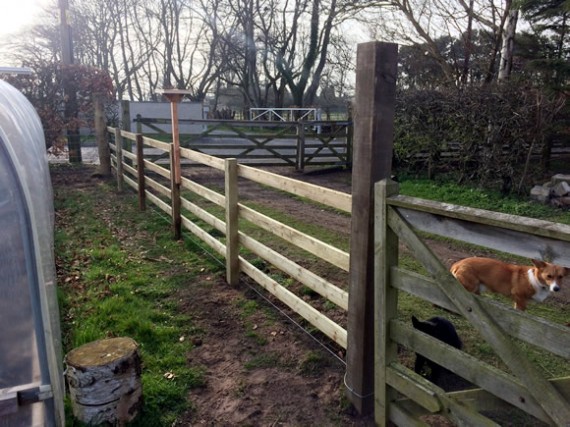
[518,282]
[441,329]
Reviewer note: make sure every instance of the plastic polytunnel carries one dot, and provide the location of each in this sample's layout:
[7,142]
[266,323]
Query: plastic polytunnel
[31,378]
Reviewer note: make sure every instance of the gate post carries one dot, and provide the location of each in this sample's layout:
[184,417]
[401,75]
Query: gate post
[126,115]
[232,222]
[300,147]
[119,145]
[373,135]
[140,172]
[385,299]
[175,200]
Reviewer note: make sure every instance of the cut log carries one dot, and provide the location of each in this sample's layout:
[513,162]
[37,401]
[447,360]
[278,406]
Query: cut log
[104,380]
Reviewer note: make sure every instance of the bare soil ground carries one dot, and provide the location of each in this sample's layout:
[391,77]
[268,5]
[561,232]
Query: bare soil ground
[261,369]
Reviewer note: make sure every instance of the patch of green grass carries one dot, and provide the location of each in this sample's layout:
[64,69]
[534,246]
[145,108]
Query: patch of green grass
[128,291]
[263,360]
[258,339]
[450,192]
[313,364]
[247,306]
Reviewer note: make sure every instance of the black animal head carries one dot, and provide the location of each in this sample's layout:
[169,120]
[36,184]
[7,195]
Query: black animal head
[439,328]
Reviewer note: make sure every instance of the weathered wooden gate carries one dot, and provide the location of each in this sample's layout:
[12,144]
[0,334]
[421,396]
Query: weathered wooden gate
[265,143]
[402,396]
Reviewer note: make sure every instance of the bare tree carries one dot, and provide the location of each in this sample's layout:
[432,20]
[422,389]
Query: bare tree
[508,42]
[426,23]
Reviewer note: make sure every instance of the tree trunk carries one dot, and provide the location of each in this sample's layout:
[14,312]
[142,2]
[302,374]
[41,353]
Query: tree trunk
[101,136]
[104,379]
[506,64]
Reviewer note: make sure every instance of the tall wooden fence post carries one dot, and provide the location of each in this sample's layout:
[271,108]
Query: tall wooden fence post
[349,137]
[176,202]
[139,123]
[175,96]
[140,172]
[101,135]
[373,135]
[300,147]
[126,115]
[232,242]
[119,145]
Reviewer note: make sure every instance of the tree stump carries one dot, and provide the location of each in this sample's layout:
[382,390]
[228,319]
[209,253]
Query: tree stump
[104,379]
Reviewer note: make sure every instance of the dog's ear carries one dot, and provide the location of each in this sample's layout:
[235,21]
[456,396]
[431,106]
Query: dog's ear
[538,263]
[566,271]
[415,322]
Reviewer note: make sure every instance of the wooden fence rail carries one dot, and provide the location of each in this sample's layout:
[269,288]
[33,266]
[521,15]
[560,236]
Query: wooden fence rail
[399,219]
[150,181]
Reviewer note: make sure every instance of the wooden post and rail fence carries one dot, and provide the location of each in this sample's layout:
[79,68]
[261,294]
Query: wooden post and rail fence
[381,220]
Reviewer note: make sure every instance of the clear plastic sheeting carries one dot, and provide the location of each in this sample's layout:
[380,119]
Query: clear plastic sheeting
[31,379]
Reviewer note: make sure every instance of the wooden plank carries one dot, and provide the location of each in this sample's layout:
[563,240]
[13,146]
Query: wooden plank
[469,306]
[493,380]
[300,161]
[129,135]
[534,330]
[415,390]
[304,276]
[504,239]
[385,300]
[482,400]
[215,244]
[158,202]
[376,71]
[158,187]
[140,173]
[513,222]
[232,222]
[402,417]
[129,155]
[119,144]
[205,216]
[175,183]
[162,171]
[409,382]
[131,182]
[479,399]
[312,245]
[130,170]
[204,159]
[205,192]
[325,196]
[309,313]
[164,146]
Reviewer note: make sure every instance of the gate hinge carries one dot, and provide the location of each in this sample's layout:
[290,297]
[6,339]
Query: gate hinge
[13,397]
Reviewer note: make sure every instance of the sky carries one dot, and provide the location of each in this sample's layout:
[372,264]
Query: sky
[15,14]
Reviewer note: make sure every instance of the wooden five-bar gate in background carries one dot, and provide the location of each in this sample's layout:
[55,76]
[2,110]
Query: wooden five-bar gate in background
[381,220]
[267,143]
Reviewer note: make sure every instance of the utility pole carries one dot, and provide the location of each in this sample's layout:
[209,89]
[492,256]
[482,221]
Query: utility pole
[71,108]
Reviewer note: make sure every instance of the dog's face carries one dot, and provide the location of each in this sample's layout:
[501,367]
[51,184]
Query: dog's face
[550,275]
